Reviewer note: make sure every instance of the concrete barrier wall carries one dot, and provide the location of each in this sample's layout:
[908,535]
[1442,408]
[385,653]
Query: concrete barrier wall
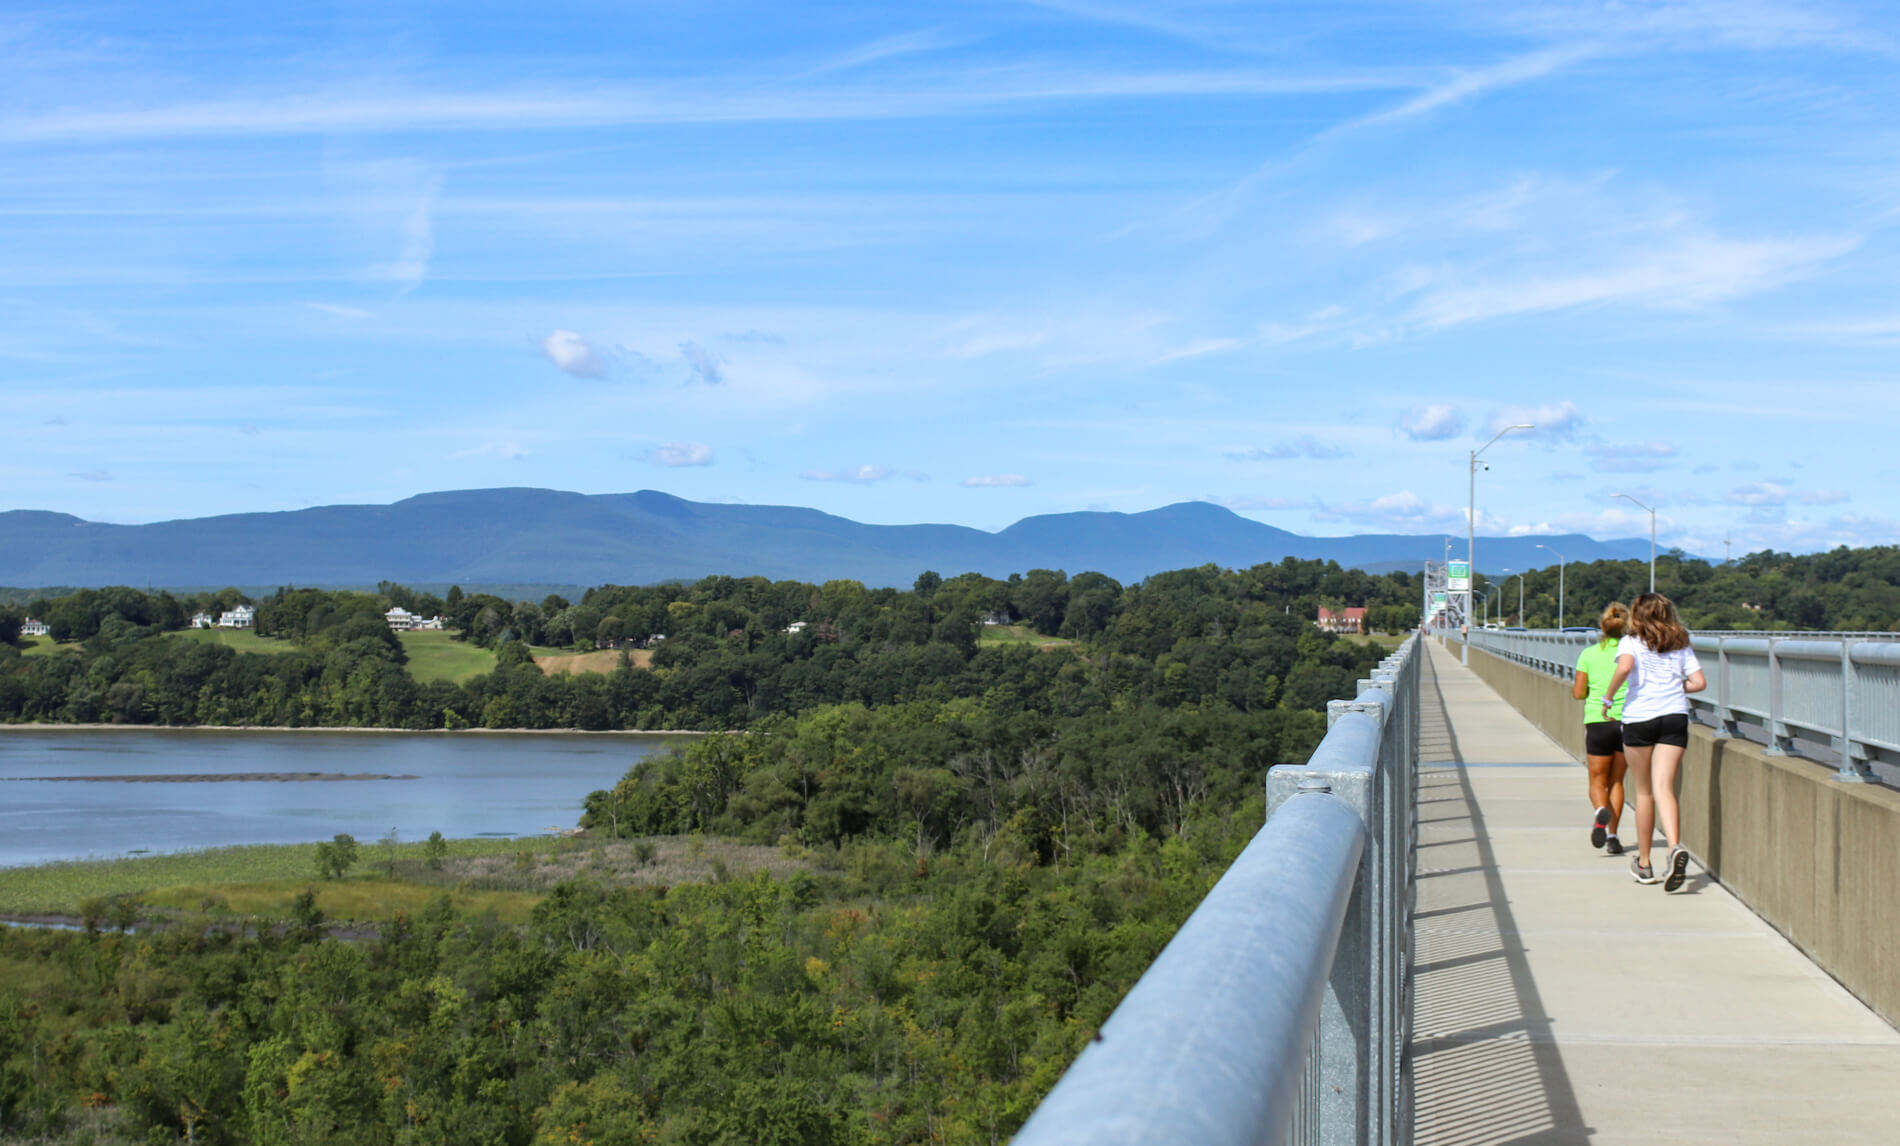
[1816,858]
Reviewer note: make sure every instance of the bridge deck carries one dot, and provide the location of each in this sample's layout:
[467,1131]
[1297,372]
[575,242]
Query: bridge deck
[1560,1002]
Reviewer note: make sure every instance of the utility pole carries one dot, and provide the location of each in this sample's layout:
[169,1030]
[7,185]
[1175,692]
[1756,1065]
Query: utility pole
[1471,521]
[1725,554]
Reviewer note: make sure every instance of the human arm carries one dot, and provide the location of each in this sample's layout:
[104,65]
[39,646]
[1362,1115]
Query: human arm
[1695,682]
[1625,664]
[1580,688]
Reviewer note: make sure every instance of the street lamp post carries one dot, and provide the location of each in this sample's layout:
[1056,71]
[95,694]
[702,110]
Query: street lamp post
[1560,585]
[1520,600]
[1499,590]
[1471,520]
[1652,536]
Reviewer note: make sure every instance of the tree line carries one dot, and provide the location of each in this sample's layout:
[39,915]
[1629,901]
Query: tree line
[731,652]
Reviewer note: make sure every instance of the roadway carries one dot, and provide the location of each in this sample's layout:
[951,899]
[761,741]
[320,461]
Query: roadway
[1557,1001]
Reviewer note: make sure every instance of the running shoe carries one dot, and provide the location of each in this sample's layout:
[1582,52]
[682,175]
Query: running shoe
[1600,828]
[1613,845]
[1677,867]
[1641,872]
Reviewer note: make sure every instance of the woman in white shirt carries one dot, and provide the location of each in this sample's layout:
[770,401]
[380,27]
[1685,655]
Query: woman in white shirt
[1662,670]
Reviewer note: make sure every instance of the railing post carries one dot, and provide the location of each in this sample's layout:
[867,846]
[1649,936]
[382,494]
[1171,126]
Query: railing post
[1780,739]
[1853,768]
[1725,726]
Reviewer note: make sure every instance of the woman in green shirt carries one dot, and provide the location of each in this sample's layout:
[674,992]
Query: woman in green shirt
[1603,730]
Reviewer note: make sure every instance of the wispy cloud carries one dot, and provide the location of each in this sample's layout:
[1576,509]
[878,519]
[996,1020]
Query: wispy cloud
[1304,446]
[1630,457]
[93,475]
[330,308]
[1689,272]
[1433,423]
[1468,84]
[995,481]
[574,355]
[856,475]
[888,48]
[681,454]
[703,365]
[1199,348]
[1246,504]
[324,111]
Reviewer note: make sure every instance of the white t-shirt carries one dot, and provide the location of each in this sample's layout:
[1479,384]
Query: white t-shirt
[1655,684]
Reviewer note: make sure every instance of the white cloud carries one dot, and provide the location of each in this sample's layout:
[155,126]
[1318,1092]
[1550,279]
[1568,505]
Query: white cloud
[681,454]
[704,366]
[575,355]
[994,480]
[1759,493]
[1558,420]
[1304,446]
[1630,457]
[1432,423]
[857,475]
[92,475]
[1820,496]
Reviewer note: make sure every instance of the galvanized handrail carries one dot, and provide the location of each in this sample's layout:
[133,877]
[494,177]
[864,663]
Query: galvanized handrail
[1836,686]
[1280,1012]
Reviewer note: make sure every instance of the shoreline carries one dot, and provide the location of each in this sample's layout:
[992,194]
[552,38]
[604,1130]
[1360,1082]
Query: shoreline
[37,727]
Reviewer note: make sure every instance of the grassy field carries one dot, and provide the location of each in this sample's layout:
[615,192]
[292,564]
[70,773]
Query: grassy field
[507,877]
[37,646]
[436,655]
[553,661]
[1018,635]
[243,640]
[1387,640]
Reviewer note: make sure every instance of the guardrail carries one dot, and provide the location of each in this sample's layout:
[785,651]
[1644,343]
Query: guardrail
[1842,687]
[1281,1010]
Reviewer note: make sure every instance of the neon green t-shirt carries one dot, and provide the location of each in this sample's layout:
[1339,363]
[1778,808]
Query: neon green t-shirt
[1599,663]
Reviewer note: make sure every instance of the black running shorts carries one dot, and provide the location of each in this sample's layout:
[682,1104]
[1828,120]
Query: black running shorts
[1603,738]
[1671,729]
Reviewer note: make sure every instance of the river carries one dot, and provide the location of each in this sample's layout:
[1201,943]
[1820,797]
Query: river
[460,784]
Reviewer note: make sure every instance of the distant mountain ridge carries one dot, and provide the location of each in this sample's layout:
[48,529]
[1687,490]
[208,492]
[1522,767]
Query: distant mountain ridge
[539,536]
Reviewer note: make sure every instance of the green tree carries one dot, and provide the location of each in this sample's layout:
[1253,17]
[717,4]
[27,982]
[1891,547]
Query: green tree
[334,858]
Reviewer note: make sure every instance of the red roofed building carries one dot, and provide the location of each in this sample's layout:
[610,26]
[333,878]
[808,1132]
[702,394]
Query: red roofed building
[1342,620]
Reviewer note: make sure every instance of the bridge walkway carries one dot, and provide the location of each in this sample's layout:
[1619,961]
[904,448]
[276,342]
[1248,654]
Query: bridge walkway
[1557,1001]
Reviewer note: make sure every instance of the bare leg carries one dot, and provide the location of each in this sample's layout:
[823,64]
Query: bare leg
[1618,766]
[1645,801]
[1663,779]
[1600,769]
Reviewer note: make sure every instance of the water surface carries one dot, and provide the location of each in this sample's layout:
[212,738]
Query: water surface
[503,784]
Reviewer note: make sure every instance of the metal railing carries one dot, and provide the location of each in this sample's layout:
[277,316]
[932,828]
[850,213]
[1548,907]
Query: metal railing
[1840,687]
[1281,1011]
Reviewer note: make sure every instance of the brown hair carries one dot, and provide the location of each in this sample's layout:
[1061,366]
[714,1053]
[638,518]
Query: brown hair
[1614,621]
[1653,622]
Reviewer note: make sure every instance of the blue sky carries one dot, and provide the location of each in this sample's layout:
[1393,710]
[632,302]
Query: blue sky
[962,262]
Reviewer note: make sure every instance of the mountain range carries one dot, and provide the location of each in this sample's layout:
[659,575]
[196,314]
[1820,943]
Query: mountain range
[548,537]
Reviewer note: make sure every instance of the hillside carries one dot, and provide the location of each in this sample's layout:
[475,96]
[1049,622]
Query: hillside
[538,536]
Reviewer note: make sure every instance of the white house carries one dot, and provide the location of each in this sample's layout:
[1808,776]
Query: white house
[796,626]
[401,619]
[33,628]
[202,620]
[428,623]
[242,617]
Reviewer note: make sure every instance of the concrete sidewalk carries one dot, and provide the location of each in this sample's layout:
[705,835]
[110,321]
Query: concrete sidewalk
[1558,1001]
